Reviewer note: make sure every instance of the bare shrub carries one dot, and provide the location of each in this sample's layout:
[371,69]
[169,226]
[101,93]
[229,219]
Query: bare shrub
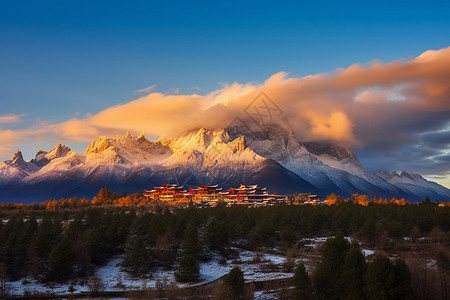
[222,291]
[96,285]
[289,263]
[437,235]
[173,292]
[383,241]
[269,267]
[420,277]
[223,261]
[415,233]
[4,289]
[161,286]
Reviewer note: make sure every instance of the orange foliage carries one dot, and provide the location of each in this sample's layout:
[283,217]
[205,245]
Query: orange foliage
[334,199]
[365,200]
[361,199]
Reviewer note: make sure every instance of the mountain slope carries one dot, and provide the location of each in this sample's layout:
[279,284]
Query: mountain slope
[128,164]
[270,156]
[331,168]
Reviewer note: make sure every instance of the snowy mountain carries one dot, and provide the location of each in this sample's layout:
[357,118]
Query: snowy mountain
[271,157]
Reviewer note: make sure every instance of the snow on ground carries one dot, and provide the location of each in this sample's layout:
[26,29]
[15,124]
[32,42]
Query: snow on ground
[115,279]
[367,252]
[313,242]
[266,295]
[255,266]
[29,286]
[261,266]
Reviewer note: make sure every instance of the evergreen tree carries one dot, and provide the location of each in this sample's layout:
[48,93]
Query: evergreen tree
[235,280]
[380,279]
[327,278]
[137,259]
[216,234]
[191,246]
[354,268]
[14,254]
[61,260]
[402,288]
[302,283]
[287,235]
[47,236]
[188,269]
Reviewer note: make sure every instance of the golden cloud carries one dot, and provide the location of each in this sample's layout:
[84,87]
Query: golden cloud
[10,118]
[351,106]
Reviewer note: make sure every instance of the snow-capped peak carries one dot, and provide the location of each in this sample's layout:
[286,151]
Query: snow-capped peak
[336,156]
[141,136]
[98,146]
[402,177]
[197,140]
[40,160]
[18,162]
[57,152]
[230,156]
[41,153]
[17,157]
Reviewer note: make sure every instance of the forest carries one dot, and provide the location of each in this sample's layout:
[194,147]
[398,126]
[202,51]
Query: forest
[54,245]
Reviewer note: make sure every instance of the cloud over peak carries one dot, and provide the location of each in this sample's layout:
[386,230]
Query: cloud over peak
[385,109]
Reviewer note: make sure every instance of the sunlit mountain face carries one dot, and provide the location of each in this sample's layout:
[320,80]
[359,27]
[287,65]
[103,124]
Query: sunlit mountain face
[270,156]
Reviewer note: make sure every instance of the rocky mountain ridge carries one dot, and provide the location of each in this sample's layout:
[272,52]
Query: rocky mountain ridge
[276,159]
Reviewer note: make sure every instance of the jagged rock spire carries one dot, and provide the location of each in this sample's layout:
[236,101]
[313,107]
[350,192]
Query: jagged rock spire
[17,156]
[98,146]
[58,151]
[141,135]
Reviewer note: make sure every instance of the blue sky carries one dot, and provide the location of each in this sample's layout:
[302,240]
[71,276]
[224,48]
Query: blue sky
[67,59]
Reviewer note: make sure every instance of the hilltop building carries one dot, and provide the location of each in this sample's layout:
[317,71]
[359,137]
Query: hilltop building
[166,193]
[211,195]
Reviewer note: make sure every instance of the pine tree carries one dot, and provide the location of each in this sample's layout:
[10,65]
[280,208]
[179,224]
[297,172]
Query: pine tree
[235,280]
[61,260]
[380,279]
[327,277]
[191,246]
[302,283]
[188,269]
[402,288]
[354,268]
[216,234]
[137,259]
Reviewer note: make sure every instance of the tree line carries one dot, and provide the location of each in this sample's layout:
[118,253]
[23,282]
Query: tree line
[105,197]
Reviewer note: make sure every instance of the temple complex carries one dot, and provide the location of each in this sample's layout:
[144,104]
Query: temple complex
[211,195]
